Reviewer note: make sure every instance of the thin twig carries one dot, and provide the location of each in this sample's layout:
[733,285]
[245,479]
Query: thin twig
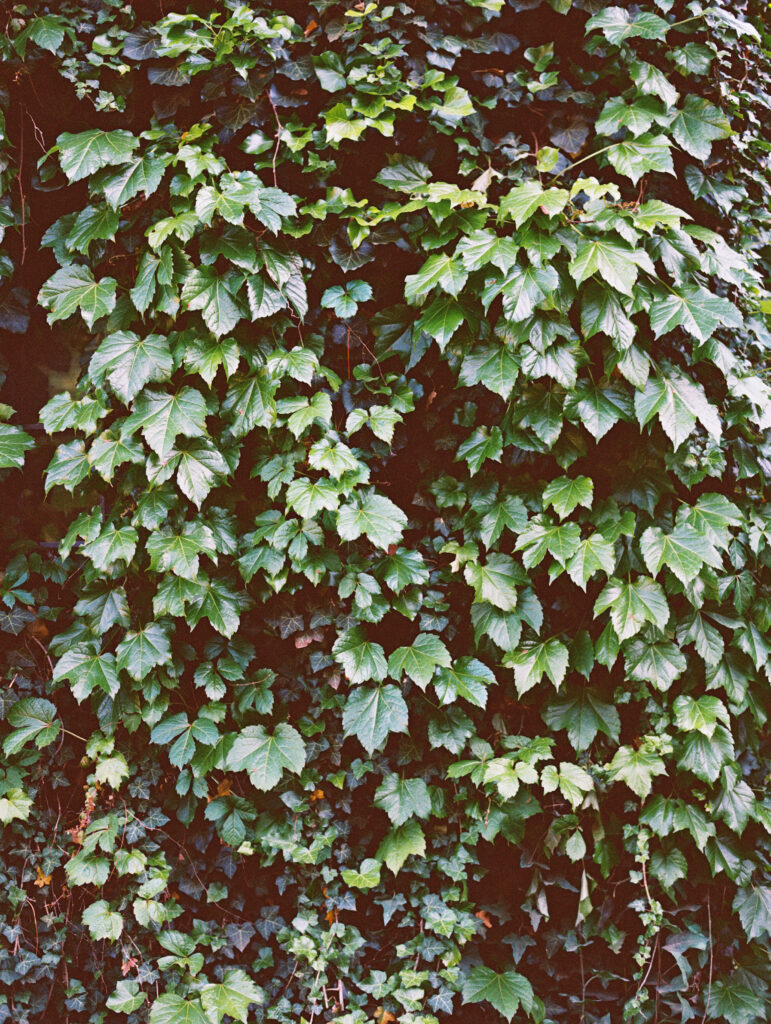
[21,187]
[709,979]
[650,964]
[279,129]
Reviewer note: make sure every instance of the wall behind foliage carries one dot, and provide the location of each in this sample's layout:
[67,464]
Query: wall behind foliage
[386,597]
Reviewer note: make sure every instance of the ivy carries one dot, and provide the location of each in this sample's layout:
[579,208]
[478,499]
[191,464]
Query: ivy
[392,643]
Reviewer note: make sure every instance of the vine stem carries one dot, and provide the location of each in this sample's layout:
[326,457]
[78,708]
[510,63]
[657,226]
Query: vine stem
[21,187]
[581,161]
[695,17]
[711,959]
[279,129]
[76,735]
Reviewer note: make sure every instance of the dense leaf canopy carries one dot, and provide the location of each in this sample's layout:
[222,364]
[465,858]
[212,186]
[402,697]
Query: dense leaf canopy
[386,610]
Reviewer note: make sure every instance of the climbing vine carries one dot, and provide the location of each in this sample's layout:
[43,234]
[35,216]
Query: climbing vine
[392,642]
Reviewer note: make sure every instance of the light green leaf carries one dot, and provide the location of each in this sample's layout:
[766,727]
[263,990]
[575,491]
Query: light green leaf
[531,662]
[142,650]
[111,546]
[367,876]
[679,403]
[307,497]
[594,554]
[361,659]
[204,289]
[372,713]
[467,678]
[583,713]
[419,660]
[14,442]
[88,670]
[31,718]
[632,603]
[523,200]
[232,997]
[83,153]
[618,24]
[265,756]
[126,997]
[694,308]
[701,714]
[753,905]
[636,768]
[173,1009]
[345,299]
[505,992]
[636,157]
[102,922]
[14,805]
[698,124]
[163,417]
[495,366]
[250,403]
[495,581]
[440,271]
[400,843]
[565,494]
[441,319]
[140,174]
[657,662]
[129,362]
[615,261]
[684,551]
[90,224]
[403,798]
[73,288]
[374,517]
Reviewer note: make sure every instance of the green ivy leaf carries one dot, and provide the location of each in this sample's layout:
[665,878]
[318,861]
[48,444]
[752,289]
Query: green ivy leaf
[468,678]
[583,713]
[753,905]
[636,768]
[420,660]
[367,876]
[31,718]
[698,124]
[532,662]
[129,362]
[139,174]
[374,517]
[616,262]
[102,922]
[265,756]
[631,604]
[163,417]
[173,1009]
[74,288]
[232,997]
[204,289]
[142,650]
[361,659]
[400,843]
[372,713]
[495,581]
[402,799]
[505,992]
[83,153]
[88,670]
[126,997]
[565,494]
[684,551]
[14,442]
